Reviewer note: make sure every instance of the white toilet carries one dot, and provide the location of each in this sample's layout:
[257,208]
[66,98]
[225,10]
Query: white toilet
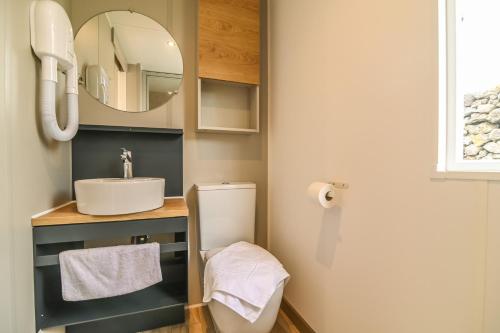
[227,216]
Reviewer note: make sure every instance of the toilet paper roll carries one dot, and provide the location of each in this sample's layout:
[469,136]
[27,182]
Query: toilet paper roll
[323,193]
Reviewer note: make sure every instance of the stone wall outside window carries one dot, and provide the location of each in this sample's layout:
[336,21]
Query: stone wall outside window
[482,125]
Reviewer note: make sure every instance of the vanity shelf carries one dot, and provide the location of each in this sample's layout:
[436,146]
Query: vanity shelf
[159,305]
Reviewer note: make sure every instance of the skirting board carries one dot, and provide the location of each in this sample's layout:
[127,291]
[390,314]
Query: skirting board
[295,317]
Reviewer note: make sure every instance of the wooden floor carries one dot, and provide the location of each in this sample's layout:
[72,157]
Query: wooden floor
[198,320]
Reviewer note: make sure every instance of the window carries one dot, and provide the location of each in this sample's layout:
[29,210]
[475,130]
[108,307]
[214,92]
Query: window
[469,86]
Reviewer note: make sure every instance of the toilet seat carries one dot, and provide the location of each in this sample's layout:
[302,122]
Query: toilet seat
[207,254]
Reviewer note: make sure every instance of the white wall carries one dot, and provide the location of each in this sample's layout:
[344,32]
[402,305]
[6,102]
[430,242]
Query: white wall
[34,172]
[354,98]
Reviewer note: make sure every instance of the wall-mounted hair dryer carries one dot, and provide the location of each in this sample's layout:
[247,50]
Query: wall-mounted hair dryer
[52,42]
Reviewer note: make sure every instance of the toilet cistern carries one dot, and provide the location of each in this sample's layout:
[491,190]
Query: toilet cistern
[126,157]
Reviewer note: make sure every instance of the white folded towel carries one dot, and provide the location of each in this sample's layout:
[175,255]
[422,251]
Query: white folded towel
[109,271]
[243,277]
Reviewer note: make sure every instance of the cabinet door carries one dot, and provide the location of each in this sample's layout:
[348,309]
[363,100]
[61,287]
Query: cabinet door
[229,40]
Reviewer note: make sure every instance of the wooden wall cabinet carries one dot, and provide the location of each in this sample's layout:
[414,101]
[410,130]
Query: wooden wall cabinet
[229,40]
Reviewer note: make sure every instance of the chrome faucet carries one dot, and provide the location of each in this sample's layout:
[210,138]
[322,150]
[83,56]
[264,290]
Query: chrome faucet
[127,163]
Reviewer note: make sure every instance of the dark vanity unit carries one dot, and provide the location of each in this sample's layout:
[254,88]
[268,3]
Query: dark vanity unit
[156,306]
[96,154]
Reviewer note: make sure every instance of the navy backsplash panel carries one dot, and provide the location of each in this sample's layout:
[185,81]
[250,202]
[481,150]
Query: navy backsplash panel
[96,153]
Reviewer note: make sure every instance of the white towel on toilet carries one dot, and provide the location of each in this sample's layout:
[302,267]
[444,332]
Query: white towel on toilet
[243,277]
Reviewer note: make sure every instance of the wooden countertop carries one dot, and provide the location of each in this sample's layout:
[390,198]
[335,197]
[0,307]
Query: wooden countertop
[175,207]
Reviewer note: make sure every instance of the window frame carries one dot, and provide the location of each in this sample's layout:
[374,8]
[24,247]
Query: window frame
[451,121]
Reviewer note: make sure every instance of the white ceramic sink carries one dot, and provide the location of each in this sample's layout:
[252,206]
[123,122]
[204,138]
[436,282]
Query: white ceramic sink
[115,196]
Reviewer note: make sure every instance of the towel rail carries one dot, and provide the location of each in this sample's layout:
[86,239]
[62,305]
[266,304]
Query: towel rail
[53,259]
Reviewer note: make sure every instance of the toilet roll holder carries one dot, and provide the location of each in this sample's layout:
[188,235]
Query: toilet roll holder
[337,185]
[340,186]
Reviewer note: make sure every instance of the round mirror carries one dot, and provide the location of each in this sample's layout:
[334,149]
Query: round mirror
[128,61]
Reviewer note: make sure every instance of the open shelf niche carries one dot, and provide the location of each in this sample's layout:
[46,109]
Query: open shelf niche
[227,107]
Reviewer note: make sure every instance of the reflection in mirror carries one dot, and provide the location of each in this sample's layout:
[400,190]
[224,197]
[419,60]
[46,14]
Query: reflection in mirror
[128,61]
[158,88]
